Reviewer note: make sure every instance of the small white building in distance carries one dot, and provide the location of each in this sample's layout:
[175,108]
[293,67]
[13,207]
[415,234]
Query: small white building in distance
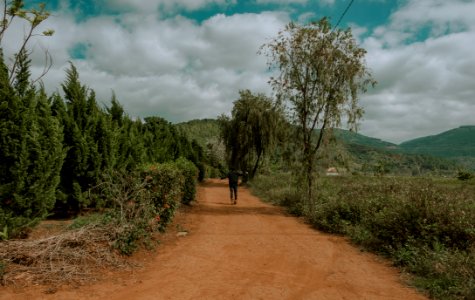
[332,171]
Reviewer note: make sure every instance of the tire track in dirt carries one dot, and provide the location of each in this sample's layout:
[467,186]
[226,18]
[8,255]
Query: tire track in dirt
[251,250]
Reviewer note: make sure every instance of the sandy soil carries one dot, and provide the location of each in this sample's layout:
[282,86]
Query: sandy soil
[250,250]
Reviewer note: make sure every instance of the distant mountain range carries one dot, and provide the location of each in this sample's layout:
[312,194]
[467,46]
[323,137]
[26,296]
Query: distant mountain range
[456,145]
[458,142]
[445,152]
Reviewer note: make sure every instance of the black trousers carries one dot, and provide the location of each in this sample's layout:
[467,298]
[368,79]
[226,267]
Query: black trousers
[233,191]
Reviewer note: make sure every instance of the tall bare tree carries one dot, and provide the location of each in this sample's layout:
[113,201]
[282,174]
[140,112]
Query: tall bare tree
[320,72]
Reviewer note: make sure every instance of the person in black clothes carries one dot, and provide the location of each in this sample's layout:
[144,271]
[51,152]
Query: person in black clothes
[233,177]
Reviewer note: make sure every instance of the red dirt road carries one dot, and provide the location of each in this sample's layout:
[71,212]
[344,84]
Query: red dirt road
[248,251]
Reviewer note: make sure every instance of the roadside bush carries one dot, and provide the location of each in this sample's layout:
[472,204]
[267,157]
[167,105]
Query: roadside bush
[444,273]
[425,226]
[464,175]
[166,183]
[279,190]
[131,215]
[137,204]
[190,174]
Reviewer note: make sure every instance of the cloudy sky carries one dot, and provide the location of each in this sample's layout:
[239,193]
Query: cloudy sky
[188,59]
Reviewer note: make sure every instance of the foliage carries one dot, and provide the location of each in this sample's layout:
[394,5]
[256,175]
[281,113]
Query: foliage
[30,138]
[464,175]
[89,140]
[320,73]
[367,160]
[349,151]
[31,152]
[458,142]
[251,131]
[204,131]
[167,184]
[190,174]
[55,151]
[425,226]
[88,219]
[139,204]
[100,140]
[211,151]
[440,154]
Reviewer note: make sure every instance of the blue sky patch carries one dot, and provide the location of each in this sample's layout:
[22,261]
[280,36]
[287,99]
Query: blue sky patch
[79,51]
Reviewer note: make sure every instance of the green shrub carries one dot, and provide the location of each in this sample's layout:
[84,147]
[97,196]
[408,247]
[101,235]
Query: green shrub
[137,204]
[425,226]
[130,214]
[166,183]
[464,175]
[190,174]
[279,190]
[81,221]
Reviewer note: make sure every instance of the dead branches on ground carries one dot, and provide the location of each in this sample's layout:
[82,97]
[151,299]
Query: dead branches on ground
[70,256]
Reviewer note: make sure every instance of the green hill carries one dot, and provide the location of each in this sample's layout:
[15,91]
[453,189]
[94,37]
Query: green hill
[455,143]
[350,137]
[204,131]
[369,155]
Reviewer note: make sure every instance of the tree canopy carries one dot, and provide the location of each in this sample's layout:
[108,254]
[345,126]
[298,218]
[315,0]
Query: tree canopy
[250,131]
[320,72]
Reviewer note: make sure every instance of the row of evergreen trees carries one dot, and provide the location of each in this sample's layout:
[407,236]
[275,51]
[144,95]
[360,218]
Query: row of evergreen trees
[54,149]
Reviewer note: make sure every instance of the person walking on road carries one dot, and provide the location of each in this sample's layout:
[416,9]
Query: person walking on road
[233,177]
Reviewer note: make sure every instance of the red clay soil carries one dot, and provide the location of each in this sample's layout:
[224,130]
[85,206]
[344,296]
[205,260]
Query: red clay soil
[251,250]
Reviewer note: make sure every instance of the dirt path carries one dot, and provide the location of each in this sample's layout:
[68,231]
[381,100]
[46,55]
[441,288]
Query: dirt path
[248,251]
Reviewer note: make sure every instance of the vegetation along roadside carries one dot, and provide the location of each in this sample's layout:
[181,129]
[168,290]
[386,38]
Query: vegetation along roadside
[426,226]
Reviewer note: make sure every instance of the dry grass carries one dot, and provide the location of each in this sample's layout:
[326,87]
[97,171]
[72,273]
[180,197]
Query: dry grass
[71,256]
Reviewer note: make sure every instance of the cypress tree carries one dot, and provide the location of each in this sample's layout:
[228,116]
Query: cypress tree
[75,174]
[91,140]
[31,152]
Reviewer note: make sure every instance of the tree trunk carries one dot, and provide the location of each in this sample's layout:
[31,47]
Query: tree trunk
[256,165]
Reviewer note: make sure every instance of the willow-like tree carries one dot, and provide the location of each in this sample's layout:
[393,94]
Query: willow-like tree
[251,131]
[320,72]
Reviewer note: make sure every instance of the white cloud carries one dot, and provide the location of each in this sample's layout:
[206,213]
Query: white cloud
[174,68]
[169,6]
[180,69]
[443,16]
[283,1]
[425,87]
[327,2]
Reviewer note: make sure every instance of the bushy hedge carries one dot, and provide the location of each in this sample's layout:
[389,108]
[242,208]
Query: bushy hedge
[190,174]
[139,203]
[425,226]
[166,183]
